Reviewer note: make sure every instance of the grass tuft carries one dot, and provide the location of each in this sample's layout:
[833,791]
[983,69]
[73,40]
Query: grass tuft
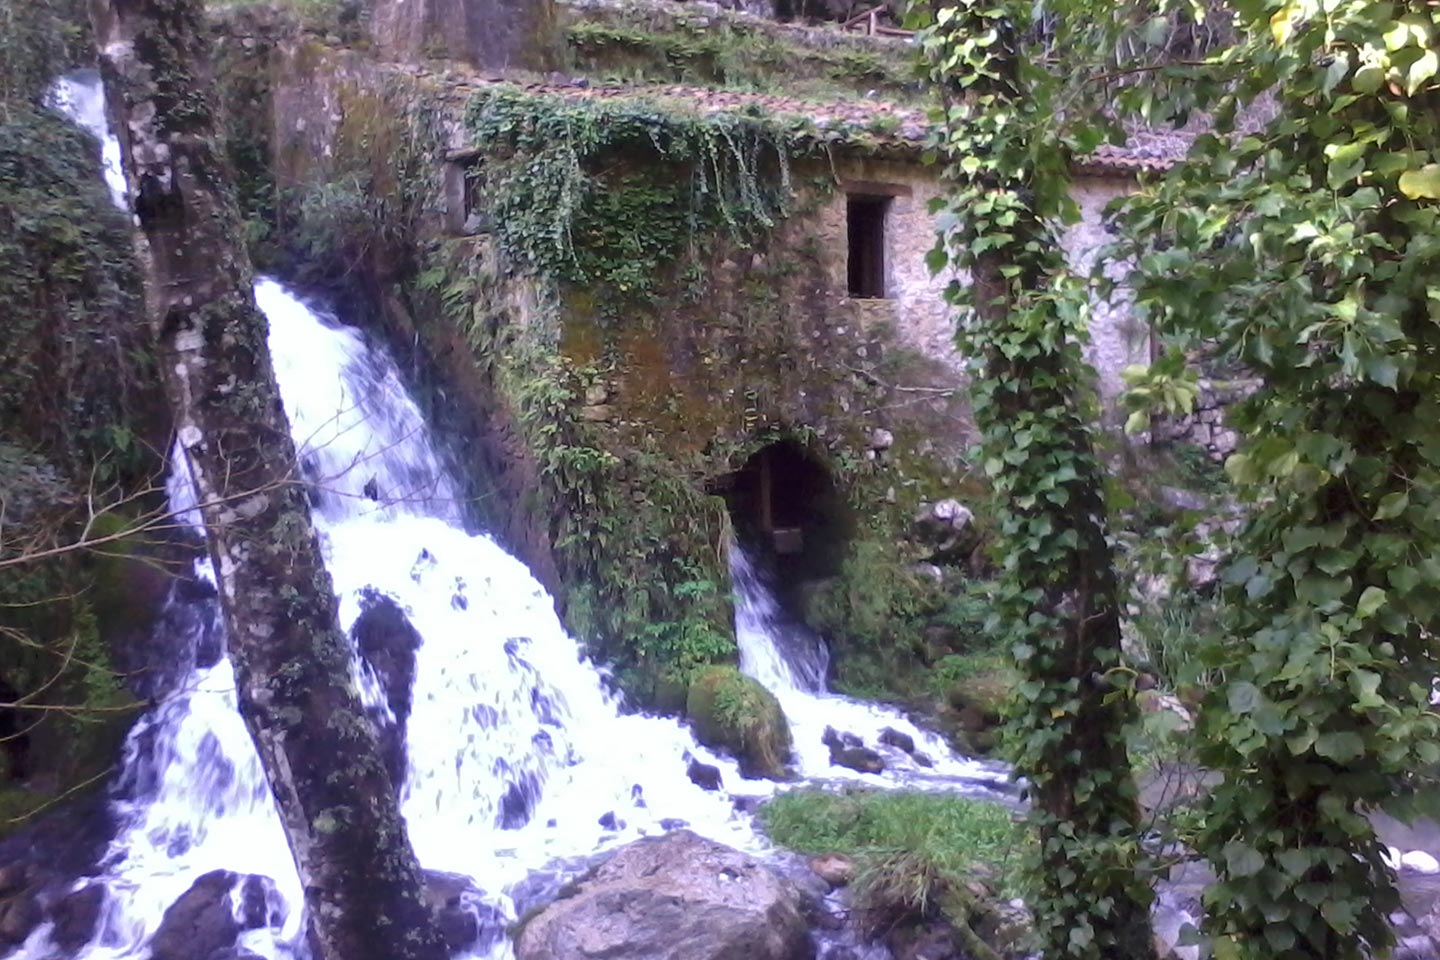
[918,856]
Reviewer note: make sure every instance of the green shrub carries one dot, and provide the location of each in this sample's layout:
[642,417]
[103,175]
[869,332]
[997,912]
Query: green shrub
[730,711]
[917,855]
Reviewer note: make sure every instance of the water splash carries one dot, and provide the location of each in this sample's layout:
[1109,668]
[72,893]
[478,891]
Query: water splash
[790,660]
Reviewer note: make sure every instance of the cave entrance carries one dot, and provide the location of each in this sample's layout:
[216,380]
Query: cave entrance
[783,503]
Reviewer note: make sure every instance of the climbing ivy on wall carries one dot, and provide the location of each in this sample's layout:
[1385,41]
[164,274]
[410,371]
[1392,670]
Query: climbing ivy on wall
[1022,322]
[565,202]
[1305,248]
[617,210]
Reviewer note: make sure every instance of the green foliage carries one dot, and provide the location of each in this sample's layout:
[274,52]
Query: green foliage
[565,203]
[729,710]
[955,830]
[917,855]
[1022,325]
[1305,250]
[1172,635]
[731,54]
[38,42]
[67,289]
[1167,387]
[877,613]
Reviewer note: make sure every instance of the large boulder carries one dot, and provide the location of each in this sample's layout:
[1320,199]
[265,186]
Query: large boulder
[201,922]
[676,897]
[730,711]
[946,532]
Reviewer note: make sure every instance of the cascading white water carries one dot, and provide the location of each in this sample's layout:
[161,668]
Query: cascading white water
[517,754]
[514,728]
[788,659]
[81,97]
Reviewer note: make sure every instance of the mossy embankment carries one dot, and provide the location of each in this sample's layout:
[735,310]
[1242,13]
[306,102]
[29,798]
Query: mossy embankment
[84,433]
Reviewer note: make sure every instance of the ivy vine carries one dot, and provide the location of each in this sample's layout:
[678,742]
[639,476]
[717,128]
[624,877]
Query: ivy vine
[1021,323]
[1305,249]
[565,203]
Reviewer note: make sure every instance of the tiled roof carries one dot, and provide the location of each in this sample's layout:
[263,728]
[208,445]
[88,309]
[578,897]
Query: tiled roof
[877,124]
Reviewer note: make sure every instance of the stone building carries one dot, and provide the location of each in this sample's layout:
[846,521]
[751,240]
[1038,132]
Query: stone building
[683,273]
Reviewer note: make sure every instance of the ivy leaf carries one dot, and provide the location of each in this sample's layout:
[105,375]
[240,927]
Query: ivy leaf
[1366,686]
[1370,601]
[1282,23]
[1420,71]
[1368,78]
[1392,505]
[1244,697]
[1342,746]
[936,259]
[1423,183]
[1243,860]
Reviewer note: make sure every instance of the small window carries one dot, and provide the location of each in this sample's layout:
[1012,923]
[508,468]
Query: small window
[865,216]
[465,209]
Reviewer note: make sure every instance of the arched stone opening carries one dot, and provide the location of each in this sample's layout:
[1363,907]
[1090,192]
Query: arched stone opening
[785,508]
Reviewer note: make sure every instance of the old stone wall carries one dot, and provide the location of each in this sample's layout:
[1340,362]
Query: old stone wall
[489,34]
[914,305]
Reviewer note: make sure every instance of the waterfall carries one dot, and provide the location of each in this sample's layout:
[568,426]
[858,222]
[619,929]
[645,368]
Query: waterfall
[790,660]
[522,757]
[81,97]
[516,755]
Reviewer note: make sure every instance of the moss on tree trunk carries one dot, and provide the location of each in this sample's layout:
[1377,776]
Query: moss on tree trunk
[293,666]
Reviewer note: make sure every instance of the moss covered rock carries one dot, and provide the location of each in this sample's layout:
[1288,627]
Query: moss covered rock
[974,708]
[730,711]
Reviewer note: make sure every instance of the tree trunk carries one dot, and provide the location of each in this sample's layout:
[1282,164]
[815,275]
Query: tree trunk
[1060,595]
[292,664]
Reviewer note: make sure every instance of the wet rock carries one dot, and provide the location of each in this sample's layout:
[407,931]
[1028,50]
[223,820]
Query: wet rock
[76,916]
[517,804]
[260,904]
[926,941]
[752,726]
[387,642]
[19,916]
[12,878]
[676,897]
[897,739]
[467,920]
[551,881]
[833,868]
[946,531]
[859,759]
[609,821]
[922,758]
[200,923]
[673,823]
[704,775]
[749,805]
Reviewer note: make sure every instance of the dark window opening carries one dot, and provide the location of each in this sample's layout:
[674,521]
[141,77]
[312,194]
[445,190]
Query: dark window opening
[865,219]
[464,201]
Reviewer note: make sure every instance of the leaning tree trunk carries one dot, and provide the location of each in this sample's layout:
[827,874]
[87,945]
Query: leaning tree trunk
[1060,596]
[292,665]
